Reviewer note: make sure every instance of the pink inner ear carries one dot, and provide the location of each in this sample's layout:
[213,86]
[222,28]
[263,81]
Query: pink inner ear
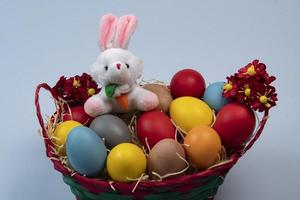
[107,30]
[126,27]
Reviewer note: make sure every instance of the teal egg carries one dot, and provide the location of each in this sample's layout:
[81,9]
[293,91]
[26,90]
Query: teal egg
[213,96]
[86,151]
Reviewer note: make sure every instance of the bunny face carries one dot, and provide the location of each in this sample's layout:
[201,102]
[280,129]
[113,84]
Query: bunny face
[116,65]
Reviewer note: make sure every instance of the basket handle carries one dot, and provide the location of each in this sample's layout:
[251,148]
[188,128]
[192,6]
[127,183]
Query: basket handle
[257,133]
[46,87]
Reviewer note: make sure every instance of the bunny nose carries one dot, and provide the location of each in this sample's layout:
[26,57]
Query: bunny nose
[118,66]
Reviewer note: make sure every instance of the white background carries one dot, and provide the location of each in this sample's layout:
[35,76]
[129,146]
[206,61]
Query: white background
[41,41]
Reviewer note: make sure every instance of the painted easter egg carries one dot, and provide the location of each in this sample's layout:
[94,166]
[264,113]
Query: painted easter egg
[235,122]
[166,157]
[61,133]
[126,162]
[202,145]
[154,126]
[164,96]
[78,114]
[213,96]
[188,112]
[187,82]
[86,151]
[112,129]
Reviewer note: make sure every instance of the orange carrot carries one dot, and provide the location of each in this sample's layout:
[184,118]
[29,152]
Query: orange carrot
[123,101]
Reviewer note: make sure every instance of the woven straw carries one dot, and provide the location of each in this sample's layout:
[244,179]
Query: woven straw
[202,185]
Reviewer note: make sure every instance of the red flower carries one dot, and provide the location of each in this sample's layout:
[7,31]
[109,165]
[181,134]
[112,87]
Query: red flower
[76,90]
[270,79]
[264,101]
[255,69]
[251,86]
[244,93]
[59,87]
[230,89]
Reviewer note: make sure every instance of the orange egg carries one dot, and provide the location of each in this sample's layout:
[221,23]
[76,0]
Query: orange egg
[202,145]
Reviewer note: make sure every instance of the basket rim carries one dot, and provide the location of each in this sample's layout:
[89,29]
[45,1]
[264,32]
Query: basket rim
[164,182]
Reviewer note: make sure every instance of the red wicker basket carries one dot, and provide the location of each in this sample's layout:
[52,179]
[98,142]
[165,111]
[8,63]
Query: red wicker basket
[202,185]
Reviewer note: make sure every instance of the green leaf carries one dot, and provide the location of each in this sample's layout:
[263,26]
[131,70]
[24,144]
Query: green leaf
[110,90]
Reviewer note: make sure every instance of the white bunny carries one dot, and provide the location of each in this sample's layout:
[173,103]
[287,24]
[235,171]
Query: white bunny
[117,70]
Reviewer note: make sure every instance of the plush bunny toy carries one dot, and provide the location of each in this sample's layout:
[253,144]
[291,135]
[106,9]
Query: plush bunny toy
[117,70]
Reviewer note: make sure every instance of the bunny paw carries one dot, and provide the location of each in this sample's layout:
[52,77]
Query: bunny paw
[150,101]
[95,106]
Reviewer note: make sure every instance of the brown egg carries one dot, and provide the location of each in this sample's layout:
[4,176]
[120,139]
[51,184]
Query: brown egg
[163,158]
[163,93]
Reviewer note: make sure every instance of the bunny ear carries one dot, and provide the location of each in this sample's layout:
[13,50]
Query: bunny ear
[125,28]
[107,30]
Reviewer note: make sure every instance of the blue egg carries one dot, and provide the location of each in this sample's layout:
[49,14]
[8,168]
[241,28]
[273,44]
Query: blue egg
[86,151]
[213,96]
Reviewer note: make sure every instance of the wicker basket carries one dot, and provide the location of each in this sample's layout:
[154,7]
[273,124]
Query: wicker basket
[202,185]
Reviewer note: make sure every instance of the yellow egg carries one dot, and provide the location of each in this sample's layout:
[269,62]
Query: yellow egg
[61,133]
[188,112]
[125,162]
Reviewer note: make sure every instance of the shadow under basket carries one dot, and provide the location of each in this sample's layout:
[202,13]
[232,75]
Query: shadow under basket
[202,185]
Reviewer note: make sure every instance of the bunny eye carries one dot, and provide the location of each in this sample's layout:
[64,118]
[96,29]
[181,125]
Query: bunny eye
[127,66]
[106,68]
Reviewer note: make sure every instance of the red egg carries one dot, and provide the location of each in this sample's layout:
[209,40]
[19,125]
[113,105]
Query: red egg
[187,82]
[235,122]
[78,114]
[154,126]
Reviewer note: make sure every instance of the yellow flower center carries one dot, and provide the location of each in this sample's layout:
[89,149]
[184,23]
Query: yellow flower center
[76,83]
[251,70]
[263,99]
[227,86]
[91,91]
[247,92]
